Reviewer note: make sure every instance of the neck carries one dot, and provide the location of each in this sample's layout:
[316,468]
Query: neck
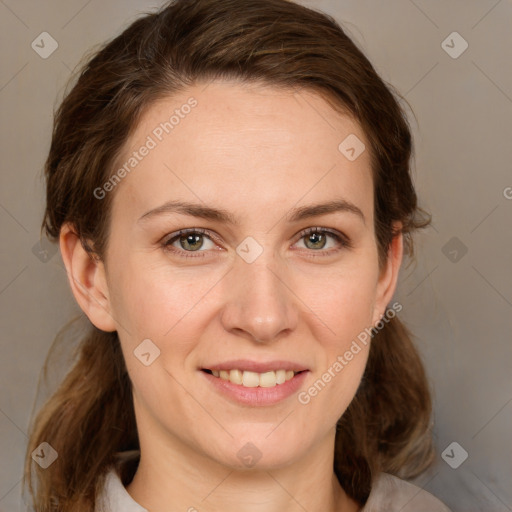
[177,478]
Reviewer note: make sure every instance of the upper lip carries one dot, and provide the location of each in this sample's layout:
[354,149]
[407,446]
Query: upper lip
[255,366]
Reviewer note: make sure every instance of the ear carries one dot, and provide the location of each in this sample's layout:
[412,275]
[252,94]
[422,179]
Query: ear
[388,277]
[87,279]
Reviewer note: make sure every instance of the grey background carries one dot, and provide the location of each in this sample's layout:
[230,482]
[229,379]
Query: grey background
[458,304]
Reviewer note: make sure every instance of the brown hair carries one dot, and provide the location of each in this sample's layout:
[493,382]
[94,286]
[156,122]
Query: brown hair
[274,42]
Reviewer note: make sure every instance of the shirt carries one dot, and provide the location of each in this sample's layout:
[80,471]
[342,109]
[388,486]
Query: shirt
[388,494]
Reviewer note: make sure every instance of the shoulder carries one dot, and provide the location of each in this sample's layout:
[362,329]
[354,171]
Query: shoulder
[392,494]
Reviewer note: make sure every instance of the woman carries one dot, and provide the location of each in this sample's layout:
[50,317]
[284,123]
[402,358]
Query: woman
[229,185]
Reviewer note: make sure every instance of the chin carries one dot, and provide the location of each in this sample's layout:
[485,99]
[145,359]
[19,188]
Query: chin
[263,448]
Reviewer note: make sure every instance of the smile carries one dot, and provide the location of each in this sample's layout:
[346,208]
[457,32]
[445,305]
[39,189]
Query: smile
[251,379]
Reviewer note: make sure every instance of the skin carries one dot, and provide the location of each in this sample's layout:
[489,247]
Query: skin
[257,153]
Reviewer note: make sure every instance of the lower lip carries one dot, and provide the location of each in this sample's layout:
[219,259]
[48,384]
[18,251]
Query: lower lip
[257,396]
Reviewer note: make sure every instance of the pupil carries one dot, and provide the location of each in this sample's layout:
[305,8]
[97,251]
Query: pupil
[192,241]
[314,239]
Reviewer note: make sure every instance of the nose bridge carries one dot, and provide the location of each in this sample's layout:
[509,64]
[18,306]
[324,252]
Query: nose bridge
[259,303]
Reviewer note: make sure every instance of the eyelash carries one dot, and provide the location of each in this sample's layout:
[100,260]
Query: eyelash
[341,239]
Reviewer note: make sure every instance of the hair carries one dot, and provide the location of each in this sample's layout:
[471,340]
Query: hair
[90,417]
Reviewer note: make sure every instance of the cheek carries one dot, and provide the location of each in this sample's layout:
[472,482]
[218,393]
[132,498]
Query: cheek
[342,300]
[346,310]
[152,301]
[343,303]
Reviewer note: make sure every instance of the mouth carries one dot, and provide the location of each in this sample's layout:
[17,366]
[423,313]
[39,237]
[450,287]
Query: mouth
[252,379]
[254,383]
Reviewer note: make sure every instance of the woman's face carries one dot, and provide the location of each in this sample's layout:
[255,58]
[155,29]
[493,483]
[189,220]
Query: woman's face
[250,171]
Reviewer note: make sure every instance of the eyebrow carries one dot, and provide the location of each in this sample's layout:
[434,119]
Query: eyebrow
[221,215]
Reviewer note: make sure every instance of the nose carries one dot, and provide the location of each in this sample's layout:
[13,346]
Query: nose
[260,305]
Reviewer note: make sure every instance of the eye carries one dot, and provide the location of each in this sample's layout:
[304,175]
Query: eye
[186,242]
[317,239]
[189,241]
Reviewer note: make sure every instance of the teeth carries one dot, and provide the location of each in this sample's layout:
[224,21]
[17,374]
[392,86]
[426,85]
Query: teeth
[268,379]
[253,379]
[250,379]
[236,376]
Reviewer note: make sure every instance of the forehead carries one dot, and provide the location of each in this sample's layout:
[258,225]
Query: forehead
[232,143]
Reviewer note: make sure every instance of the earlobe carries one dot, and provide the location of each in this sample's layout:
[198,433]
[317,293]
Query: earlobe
[388,277]
[86,275]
